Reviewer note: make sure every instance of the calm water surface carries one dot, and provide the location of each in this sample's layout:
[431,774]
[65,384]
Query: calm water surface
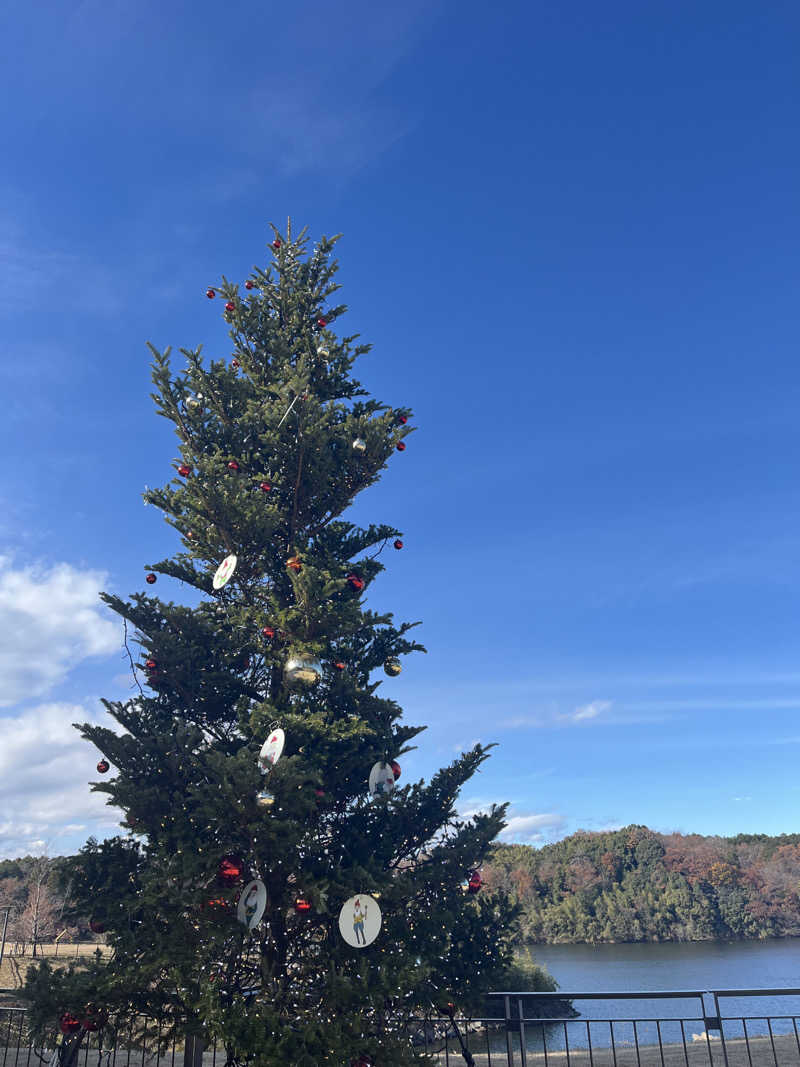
[698,965]
[668,966]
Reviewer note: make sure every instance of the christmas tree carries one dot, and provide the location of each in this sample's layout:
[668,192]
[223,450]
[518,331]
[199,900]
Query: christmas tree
[279,890]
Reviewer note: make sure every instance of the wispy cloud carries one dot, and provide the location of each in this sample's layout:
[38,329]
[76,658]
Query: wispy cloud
[51,619]
[45,767]
[719,703]
[553,717]
[74,280]
[462,746]
[528,829]
[589,711]
[523,826]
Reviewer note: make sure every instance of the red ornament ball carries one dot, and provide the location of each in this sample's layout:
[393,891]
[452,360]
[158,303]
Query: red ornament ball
[210,294]
[268,631]
[395,769]
[235,363]
[230,306]
[339,665]
[276,244]
[475,882]
[265,487]
[398,544]
[402,419]
[96,926]
[150,579]
[103,767]
[184,471]
[231,870]
[355,582]
[302,906]
[319,793]
[151,665]
[322,323]
[94,1018]
[233,465]
[68,1024]
[249,285]
[401,446]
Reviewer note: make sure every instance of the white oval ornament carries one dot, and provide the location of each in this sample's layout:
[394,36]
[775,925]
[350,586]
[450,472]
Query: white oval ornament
[252,904]
[271,750]
[224,572]
[381,779]
[360,920]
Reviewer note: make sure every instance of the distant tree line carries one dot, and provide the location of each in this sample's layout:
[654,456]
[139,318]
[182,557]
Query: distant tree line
[35,888]
[637,885]
[624,885]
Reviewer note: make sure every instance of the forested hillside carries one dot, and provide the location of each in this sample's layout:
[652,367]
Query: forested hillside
[636,885]
[625,885]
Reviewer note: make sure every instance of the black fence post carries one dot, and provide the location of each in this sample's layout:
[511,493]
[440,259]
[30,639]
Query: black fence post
[721,1030]
[509,1046]
[193,1051]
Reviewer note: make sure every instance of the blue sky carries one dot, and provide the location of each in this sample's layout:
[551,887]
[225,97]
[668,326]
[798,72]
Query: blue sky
[571,233]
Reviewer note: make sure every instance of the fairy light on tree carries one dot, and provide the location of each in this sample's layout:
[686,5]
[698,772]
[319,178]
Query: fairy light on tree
[271,884]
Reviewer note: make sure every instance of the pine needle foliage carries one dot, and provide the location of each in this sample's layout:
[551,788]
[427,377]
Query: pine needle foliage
[268,440]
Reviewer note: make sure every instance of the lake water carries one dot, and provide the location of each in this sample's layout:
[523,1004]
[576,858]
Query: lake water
[669,965]
[698,966]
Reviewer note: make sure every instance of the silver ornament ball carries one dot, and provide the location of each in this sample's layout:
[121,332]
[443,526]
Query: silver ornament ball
[302,671]
[359,445]
[392,666]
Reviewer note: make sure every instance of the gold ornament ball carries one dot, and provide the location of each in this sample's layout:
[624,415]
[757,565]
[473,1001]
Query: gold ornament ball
[392,666]
[322,350]
[302,670]
[265,799]
[359,445]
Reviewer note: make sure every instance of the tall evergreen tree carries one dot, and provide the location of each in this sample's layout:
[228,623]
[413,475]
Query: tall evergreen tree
[274,446]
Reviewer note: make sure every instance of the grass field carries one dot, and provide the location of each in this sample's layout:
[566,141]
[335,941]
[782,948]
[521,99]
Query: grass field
[15,964]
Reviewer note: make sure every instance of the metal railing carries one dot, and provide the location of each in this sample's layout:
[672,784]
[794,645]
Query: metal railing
[675,1028]
[15,949]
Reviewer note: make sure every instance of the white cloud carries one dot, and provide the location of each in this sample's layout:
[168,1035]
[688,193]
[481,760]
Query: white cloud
[527,829]
[45,767]
[521,827]
[463,746]
[550,716]
[589,711]
[50,619]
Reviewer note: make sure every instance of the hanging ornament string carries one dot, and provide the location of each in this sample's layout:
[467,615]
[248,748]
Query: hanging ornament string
[288,410]
[376,554]
[130,657]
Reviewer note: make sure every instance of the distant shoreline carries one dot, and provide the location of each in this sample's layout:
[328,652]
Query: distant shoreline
[671,941]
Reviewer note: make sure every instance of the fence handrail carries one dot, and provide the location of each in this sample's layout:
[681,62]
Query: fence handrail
[518,1039]
[653,994]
